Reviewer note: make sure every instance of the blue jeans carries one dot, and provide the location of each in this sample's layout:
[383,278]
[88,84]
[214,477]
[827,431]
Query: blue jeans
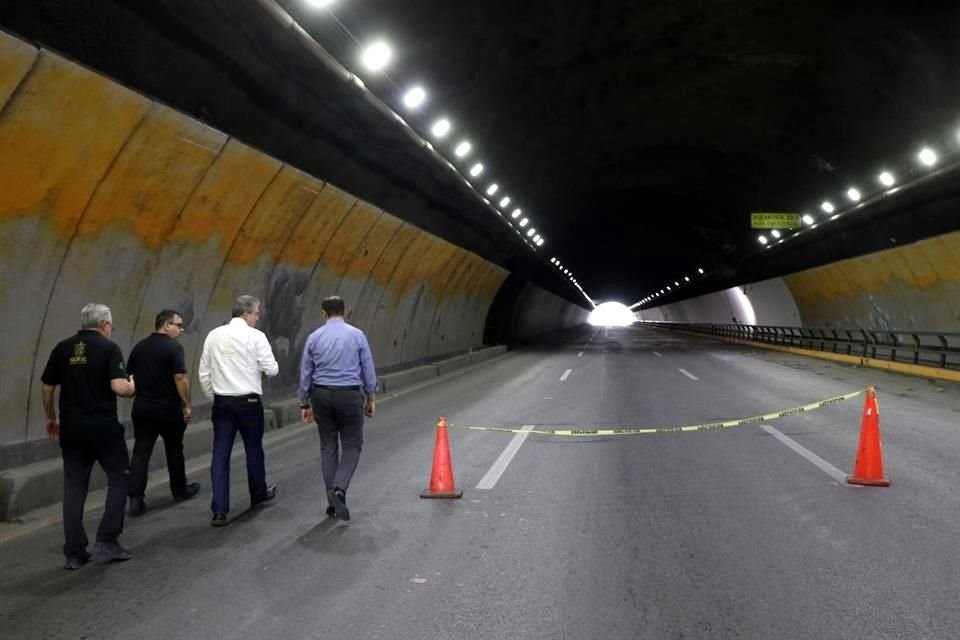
[230,415]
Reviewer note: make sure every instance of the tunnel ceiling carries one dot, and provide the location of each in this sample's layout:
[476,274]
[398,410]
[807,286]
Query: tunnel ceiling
[638,135]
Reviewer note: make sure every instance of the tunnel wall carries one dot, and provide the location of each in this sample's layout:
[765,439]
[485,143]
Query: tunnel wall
[538,311]
[916,286]
[108,196]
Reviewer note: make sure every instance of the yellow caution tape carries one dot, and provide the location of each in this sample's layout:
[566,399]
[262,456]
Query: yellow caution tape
[696,427]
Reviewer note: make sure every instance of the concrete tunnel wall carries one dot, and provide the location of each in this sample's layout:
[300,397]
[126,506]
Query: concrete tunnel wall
[108,196]
[916,286]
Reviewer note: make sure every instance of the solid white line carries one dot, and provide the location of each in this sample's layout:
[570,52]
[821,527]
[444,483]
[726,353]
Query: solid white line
[658,354]
[566,374]
[489,480]
[810,456]
[688,374]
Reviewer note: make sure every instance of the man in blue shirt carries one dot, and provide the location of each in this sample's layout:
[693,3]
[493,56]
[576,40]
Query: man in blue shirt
[336,372]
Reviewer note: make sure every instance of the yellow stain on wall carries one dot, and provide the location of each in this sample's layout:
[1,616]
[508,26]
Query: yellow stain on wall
[404,278]
[924,275]
[346,242]
[58,136]
[943,255]
[226,195]
[316,227]
[156,171]
[370,251]
[385,268]
[270,223]
[16,58]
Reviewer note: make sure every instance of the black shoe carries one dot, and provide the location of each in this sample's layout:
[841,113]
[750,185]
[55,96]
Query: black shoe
[331,511]
[190,491]
[338,498]
[110,552]
[218,520]
[137,506]
[77,561]
[268,495]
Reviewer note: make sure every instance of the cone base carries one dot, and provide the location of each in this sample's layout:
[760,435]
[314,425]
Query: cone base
[869,482]
[456,493]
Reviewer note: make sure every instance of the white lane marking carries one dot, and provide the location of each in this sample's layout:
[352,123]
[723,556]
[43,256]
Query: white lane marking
[688,374]
[580,355]
[566,374]
[810,456]
[489,480]
[658,354]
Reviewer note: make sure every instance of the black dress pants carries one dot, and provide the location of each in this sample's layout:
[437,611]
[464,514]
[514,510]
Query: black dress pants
[146,431]
[81,447]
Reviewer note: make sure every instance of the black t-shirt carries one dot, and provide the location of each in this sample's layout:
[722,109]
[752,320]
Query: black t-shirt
[153,363]
[83,365]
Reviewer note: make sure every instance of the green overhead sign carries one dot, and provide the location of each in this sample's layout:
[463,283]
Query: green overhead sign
[775,221]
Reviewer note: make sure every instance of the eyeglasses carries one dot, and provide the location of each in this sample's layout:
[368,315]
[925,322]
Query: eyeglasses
[179,325]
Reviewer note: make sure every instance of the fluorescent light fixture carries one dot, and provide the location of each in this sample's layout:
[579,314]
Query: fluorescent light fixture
[321,4]
[853,194]
[762,240]
[377,56]
[414,98]
[540,242]
[827,206]
[927,157]
[476,170]
[700,271]
[516,213]
[524,222]
[440,128]
[775,233]
[463,149]
[531,232]
[807,219]
[492,189]
[505,201]
[886,179]
[686,278]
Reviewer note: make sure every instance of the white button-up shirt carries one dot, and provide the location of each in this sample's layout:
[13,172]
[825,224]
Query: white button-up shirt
[234,356]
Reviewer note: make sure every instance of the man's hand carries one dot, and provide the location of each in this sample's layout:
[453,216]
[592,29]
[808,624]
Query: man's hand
[187,414]
[53,428]
[306,415]
[370,407]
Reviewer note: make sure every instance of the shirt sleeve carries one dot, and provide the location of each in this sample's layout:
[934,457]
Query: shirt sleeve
[52,373]
[203,370]
[115,366]
[177,359]
[268,364]
[306,371]
[366,366]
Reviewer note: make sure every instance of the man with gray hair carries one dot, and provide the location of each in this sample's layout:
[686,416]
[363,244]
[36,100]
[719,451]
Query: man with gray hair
[234,358]
[88,367]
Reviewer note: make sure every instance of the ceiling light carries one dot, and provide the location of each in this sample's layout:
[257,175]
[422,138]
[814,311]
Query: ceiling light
[476,170]
[686,278]
[886,179]
[440,128]
[531,232]
[377,56]
[516,213]
[827,206]
[676,284]
[807,218]
[463,149]
[540,242]
[505,201]
[492,189]
[701,271]
[927,156]
[762,240]
[320,4]
[775,233]
[524,222]
[414,97]
[853,194]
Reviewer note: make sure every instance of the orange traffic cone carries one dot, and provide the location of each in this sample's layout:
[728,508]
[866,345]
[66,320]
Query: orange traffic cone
[868,469]
[441,479]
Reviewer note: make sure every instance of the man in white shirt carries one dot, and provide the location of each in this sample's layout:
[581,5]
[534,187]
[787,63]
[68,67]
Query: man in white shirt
[234,358]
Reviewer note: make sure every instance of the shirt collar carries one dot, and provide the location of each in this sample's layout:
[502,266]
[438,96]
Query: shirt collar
[238,321]
[334,319]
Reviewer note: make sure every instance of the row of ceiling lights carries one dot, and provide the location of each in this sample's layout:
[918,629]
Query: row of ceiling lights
[666,289]
[927,158]
[376,57]
[573,280]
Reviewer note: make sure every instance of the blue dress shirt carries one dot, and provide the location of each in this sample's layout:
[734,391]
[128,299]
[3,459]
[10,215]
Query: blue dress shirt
[337,355]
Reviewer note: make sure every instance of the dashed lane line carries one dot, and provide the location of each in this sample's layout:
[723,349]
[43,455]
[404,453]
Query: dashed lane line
[489,480]
[566,374]
[688,374]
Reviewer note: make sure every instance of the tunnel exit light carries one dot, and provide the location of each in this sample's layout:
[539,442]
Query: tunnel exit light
[377,56]
[611,314]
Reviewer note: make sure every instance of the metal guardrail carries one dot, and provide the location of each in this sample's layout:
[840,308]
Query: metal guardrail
[927,348]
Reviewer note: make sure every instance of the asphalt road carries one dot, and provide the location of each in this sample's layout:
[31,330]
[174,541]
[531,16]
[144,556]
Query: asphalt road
[711,534]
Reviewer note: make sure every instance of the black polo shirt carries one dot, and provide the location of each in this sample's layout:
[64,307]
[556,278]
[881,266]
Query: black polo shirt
[83,365]
[153,363]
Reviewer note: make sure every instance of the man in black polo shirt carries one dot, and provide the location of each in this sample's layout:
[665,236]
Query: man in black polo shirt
[89,370]
[161,408]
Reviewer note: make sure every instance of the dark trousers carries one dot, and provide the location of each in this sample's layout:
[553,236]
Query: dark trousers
[80,449]
[146,431]
[230,415]
[339,417]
